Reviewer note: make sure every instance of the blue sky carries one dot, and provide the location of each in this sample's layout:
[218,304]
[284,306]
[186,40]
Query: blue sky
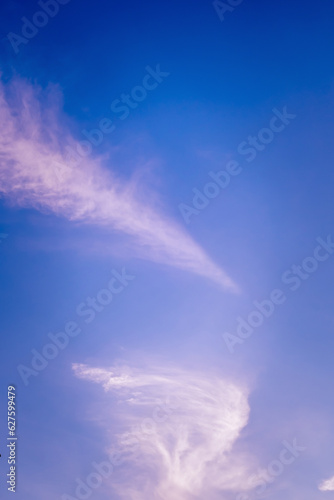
[118,246]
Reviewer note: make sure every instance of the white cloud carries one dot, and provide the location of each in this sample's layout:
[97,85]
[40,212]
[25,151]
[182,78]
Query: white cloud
[187,423]
[327,485]
[33,143]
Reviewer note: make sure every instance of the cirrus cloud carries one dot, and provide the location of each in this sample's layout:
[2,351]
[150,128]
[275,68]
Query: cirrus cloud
[33,143]
[191,453]
[327,485]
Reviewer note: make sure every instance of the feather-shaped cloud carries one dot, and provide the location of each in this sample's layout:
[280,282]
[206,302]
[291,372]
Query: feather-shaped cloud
[33,144]
[187,424]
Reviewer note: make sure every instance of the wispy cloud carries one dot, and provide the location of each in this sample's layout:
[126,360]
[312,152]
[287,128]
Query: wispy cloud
[33,144]
[327,485]
[191,453]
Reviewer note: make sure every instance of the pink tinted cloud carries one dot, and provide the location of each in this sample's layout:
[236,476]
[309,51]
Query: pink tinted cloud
[33,142]
[190,453]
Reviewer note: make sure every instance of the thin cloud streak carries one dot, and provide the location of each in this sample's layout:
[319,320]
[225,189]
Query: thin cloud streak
[33,144]
[188,455]
[327,485]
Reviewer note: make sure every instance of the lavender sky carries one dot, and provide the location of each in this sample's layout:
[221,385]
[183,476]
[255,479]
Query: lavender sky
[167,249]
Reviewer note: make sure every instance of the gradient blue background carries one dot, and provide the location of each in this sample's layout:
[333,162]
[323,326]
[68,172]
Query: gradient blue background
[225,78]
